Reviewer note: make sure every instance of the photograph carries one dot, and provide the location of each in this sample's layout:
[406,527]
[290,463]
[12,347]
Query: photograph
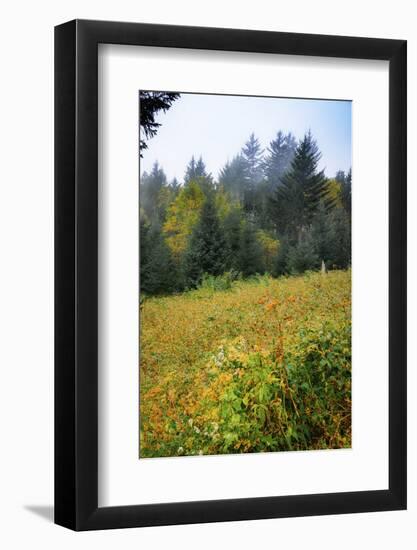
[208,274]
[245,272]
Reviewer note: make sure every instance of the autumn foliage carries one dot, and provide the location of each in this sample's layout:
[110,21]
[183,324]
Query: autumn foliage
[251,365]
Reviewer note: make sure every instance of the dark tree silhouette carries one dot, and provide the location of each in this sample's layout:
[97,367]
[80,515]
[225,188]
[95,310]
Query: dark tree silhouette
[250,253]
[207,252]
[157,268]
[149,105]
[301,190]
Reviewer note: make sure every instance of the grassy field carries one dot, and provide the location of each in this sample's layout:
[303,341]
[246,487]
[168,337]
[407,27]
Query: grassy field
[262,366]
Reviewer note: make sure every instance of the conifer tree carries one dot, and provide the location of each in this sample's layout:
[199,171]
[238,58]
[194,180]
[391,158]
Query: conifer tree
[207,251]
[151,186]
[278,160]
[301,256]
[323,236]
[281,260]
[252,156]
[232,230]
[341,226]
[157,268]
[195,169]
[144,248]
[250,253]
[297,198]
[345,181]
[232,177]
[150,103]
[190,171]
[196,172]
[175,186]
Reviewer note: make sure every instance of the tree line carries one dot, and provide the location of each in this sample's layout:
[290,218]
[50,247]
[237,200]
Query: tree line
[268,211]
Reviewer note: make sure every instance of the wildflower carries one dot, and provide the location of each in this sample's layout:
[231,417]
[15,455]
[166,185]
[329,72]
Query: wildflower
[180,450]
[190,421]
[197,430]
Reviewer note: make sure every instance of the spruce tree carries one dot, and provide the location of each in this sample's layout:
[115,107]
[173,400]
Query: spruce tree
[280,153]
[144,249]
[207,251]
[200,168]
[281,260]
[150,103]
[345,181]
[190,171]
[297,198]
[250,253]
[301,256]
[151,186]
[196,172]
[232,177]
[232,229]
[175,186]
[252,154]
[323,236]
[252,157]
[157,269]
[341,227]
[195,169]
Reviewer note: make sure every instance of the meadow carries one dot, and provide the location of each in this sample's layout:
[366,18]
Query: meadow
[254,365]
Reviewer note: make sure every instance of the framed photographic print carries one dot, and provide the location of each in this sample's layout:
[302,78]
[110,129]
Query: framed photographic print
[230,235]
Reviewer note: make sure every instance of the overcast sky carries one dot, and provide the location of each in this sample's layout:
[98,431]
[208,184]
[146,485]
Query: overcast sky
[217,126]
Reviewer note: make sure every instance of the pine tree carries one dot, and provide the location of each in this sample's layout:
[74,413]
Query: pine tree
[232,230]
[190,171]
[323,236]
[144,248]
[250,253]
[280,155]
[345,181]
[252,156]
[232,177]
[302,188]
[196,172]
[200,168]
[151,186]
[301,256]
[207,251]
[157,269]
[341,226]
[175,186]
[150,103]
[281,260]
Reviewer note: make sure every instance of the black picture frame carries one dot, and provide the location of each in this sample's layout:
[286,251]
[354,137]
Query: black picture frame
[76,272]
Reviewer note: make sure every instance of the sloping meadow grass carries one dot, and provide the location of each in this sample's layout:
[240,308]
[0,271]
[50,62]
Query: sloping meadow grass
[263,365]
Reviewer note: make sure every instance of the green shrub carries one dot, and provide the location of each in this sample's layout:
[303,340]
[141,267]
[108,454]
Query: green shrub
[291,401]
[219,282]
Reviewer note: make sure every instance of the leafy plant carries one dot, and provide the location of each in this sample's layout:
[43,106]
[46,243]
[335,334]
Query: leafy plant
[262,366]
